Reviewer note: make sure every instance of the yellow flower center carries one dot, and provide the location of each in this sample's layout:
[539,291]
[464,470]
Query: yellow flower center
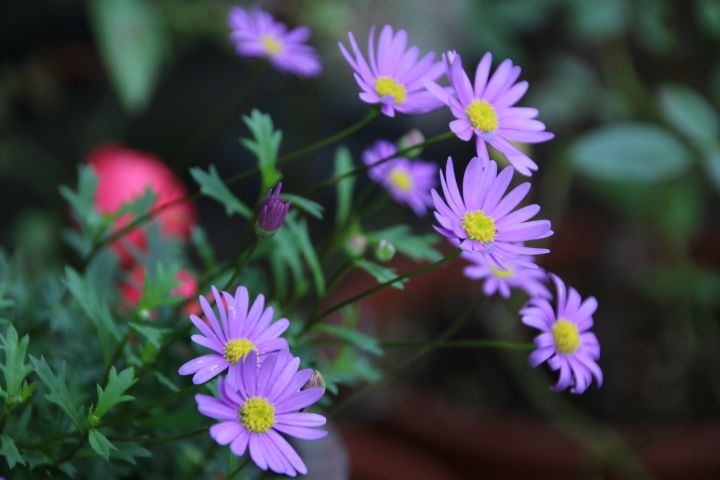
[237,349]
[401,180]
[479,227]
[388,86]
[257,414]
[566,336]
[482,116]
[272,45]
[507,273]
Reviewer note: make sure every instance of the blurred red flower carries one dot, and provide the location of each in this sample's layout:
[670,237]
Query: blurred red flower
[123,176]
[132,289]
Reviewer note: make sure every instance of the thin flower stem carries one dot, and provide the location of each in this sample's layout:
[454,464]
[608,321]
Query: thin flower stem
[364,168]
[116,355]
[218,117]
[241,264]
[380,286]
[158,440]
[297,153]
[448,344]
[240,468]
[451,330]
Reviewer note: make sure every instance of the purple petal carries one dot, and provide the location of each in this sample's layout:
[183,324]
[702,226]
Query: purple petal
[225,432]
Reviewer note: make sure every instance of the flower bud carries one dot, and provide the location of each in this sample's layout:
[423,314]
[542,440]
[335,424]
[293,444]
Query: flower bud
[316,381]
[413,137]
[356,244]
[272,213]
[384,251]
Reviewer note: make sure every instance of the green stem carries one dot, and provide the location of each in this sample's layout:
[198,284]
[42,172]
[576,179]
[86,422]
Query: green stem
[218,117]
[158,440]
[297,153]
[448,344]
[239,468]
[380,286]
[241,264]
[451,330]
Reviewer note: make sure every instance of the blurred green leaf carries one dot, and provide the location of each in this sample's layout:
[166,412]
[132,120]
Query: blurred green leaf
[10,452]
[100,443]
[307,205]
[114,391]
[343,164]
[14,367]
[417,247]
[202,245]
[212,185]
[381,273]
[690,114]
[82,204]
[129,451]
[59,393]
[630,152]
[94,306]
[133,44]
[158,287]
[264,145]
[689,284]
[350,334]
[298,230]
[708,16]
[596,21]
[712,165]
[152,334]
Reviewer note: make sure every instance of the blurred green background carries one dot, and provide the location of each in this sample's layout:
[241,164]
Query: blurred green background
[631,183]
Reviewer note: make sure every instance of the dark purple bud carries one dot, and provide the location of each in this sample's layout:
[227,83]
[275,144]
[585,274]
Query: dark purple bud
[272,213]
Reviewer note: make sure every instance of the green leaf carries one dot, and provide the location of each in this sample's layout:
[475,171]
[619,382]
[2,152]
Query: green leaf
[351,335]
[264,145]
[708,16]
[158,287]
[417,247]
[82,203]
[202,245]
[166,381]
[100,443]
[712,165]
[690,114]
[10,452]
[94,306]
[596,21]
[56,385]
[154,335]
[630,152]
[343,164]
[133,44]
[129,451]
[382,274]
[14,367]
[116,386]
[298,230]
[310,207]
[212,185]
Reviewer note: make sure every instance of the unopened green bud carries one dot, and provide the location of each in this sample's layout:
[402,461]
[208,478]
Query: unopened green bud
[385,251]
[356,244]
[413,137]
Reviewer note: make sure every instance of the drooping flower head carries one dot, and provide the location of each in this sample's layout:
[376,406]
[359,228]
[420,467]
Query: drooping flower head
[264,403]
[123,176]
[408,181]
[394,75]
[242,329]
[257,34]
[272,212]
[520,272]
[486,109]
[565,342]
[482,219]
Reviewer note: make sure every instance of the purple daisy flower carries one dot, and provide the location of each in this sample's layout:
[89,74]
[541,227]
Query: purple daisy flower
[240,332]
[257,34]
[480,220]
[565,341]
[487,109]
[520,272]
[408,181]
[267,402]
[394,76]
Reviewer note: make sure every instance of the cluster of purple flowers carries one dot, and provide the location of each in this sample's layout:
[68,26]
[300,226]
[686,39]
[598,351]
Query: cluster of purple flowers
[479,215]
[263,392]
